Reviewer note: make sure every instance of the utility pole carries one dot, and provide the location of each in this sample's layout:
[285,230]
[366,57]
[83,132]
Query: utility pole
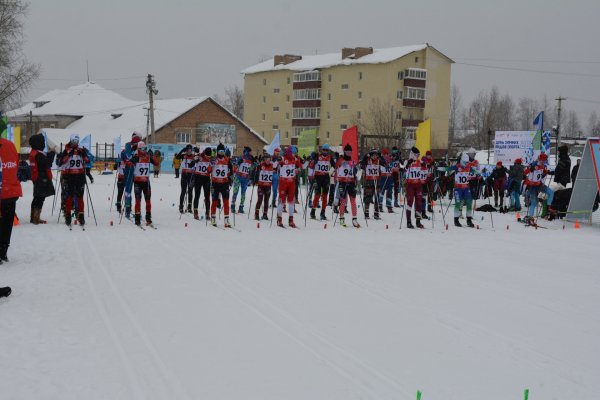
[559,99]
[151,90]
[30,123]
[489,139]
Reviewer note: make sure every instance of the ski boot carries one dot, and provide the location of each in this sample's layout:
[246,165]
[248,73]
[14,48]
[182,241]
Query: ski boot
[233,208]
[196,216]
[68,219]
[429,208]
[81,218]
[343,222]
[367,215]
[336,210]
[180,209]
[148,218]
[128,212]
[409,224]
[470,222]
[291,223]
[419,224]
[396,204]
[213,220]
[138,219]
[424,216]
[189,209]
[256,215]
[280,222]
[390,210]
[313,214]
[227,224]
[241,209]
[457,222]
[376,216]
[264,217]
[323,217]
[355,223]
[119,208]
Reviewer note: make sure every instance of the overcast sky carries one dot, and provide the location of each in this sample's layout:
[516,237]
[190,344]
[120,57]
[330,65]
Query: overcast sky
[197,48]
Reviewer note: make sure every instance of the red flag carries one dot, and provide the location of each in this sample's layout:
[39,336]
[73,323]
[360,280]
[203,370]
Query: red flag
[350,136]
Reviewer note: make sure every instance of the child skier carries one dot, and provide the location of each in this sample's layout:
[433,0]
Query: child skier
[322,165]
[345,173]
[371,172]
[463,170]
[202,170]
[141,161]
[264,181]
[220,178]
[288,171]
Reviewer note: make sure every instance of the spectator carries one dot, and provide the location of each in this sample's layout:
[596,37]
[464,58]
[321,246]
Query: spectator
[41,176]
[160,158]
[10,191]
[176,165]
[575,171]
[563,166]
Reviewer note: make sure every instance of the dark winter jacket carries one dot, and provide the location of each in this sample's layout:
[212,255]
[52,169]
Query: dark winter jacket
[516,172]
[574,173]
[41,163]
[562,173]
[499,173]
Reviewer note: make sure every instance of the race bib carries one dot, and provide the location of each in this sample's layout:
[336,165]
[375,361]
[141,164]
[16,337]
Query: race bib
[414,173]
[288,171]
[345,171]
[322,166]
[75,162]
[142,169]
[462,178]
[245,168]
[265,176]
[219,171]
[202,167]
[372,170]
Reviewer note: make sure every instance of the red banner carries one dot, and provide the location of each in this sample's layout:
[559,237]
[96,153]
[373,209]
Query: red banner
[350,136]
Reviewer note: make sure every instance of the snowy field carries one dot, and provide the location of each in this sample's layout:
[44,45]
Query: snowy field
[269,314]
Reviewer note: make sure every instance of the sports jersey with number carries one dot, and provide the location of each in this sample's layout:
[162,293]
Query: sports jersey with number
[220,170]
[372,171]
[187,164]
[535,176]
[121,169]
[265,174]
[75,163]
[322,165]
[202,166]
[386,169]
[414,172]
[244,167]
[141,169]
[463,174]
[288,168]
[345,170]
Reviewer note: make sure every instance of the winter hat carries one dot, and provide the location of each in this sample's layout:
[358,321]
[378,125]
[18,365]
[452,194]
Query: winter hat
[563,150]
[325,146]
[373,151]
[543,157]
[220,147]
[196,149]
[414,153]
[428,153]
[277,150]
[136,134]
[37,142]
[518,161]
[135,139]
[347,147]
[208,152]
[464,158]
[247,150]
[288,152]
[74,138]
[499,164]
[266,155]
[227,152]
[385,151]
[294,149]
[141,145]
[394,149]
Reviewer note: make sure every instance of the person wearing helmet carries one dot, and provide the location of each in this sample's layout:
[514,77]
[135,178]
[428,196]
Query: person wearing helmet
[415,171]
[370,165]
[535,187]
[74,159]
[142,161]
[243,167]
[186,155]
[220,178]
[202,170]
[463,170]
[345,174]
[322,164]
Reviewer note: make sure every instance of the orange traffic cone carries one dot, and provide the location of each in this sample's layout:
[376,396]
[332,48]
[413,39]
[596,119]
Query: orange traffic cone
[16,221]
[577,225]
[519,217]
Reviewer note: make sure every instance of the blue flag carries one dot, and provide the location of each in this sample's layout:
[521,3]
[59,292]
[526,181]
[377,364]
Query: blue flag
[86,142]
[538,122]
[117,146]
[275,144]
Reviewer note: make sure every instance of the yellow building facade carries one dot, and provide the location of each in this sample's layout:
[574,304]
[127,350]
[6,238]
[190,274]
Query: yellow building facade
[331,91]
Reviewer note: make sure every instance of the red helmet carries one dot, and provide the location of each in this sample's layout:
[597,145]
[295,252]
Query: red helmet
[499,164]
[543,157]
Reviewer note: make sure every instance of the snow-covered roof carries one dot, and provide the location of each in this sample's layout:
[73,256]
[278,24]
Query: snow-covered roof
[311,62]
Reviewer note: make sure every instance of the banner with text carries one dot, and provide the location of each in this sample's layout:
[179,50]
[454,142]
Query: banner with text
[510,145]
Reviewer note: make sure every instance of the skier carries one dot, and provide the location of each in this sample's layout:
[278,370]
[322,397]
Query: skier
[463,170]
[429,164]
[126,155]
[244,167]
[322,165]
[264,180]
[414,187]
[74,159]
[386,184]
[396,163]
[141,161]
[288,171]
[275,188]
[202,169]
[120,166]
[41,176]
[535,188]
[499,178]
[186,156]
[220,178]
[371,173]
[345,173]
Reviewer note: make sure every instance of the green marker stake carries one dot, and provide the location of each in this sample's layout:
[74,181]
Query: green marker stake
[526,394]
[418,395]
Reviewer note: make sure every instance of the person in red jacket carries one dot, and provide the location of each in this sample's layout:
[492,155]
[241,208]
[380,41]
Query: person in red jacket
[220,178]
[288,170]
[264,179]
[141,161]
[415,170]
[41,176]
[10,191]
[73,160]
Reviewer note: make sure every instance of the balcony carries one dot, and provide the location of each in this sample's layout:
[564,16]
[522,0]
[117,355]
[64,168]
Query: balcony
[418,83]
[411,123]
[306,103]
[306,122]
[413,103]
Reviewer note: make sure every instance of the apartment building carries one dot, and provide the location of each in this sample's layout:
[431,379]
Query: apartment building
[327,92]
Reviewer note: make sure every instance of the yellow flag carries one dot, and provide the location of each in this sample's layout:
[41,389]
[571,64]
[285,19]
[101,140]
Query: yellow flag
[423,136]
[17,138]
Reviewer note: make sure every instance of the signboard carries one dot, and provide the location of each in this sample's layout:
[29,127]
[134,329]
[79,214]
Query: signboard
[510,145]
[209,134]
[587,183]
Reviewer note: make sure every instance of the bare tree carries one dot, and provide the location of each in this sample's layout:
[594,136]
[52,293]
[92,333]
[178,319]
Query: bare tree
[455,109]
[233,100]
[381,118]
[593,126]
[571,127]
[16,73]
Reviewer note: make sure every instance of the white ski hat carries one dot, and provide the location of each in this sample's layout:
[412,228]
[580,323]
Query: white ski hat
[74,138]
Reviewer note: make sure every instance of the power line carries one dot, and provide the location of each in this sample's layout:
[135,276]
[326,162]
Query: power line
[99,79]
[584,100]
[527,61]
[532,70]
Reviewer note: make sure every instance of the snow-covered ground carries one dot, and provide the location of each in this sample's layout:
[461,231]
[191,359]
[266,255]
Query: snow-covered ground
[201,313]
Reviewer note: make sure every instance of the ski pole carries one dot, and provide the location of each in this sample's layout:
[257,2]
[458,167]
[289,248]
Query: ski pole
[112,197]
[128,175]
[362,204]
[251,196]
[272,209]
[57,191]
[91,204]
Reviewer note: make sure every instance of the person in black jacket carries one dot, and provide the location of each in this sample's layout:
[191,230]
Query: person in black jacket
[41,176]
[575,171]
[498,176]
[562,173]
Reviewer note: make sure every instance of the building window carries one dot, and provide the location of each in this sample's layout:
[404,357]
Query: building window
[345,86]
[275,127]
[327,135]
[288,80]
[276,90]
[264,99]
[415,93]
[398,115]
[287,134]
[183,137]
[360,76]
[360,95]
[400,75]
[263,117]
[276,108]
[399,94]
[416,73]
[328,96]
[307,113]
[307,94]
[264,82]
[287,115]
[343,127]
[307,76]
[329,78]
[328,115]
[344,106]
[410,133]
[416,59]
[358,115]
